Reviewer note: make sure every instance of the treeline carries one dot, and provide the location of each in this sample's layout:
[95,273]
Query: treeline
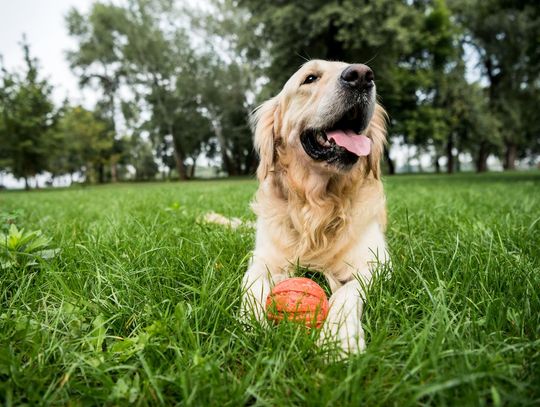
[177,83]
[418,50]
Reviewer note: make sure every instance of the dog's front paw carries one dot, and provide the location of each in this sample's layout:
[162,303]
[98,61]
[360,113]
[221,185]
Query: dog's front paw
[349,336]
[251,310]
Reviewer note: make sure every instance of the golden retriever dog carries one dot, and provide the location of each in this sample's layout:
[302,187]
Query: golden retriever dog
[320,202]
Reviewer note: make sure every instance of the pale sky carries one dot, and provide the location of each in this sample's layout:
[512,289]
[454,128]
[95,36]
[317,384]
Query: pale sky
[43,23]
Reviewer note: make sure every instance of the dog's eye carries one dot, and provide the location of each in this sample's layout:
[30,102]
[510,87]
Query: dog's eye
[310,79]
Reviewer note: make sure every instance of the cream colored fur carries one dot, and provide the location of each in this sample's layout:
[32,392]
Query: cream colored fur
[314,214]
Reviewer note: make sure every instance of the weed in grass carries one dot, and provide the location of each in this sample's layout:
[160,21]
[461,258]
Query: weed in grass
[20,249]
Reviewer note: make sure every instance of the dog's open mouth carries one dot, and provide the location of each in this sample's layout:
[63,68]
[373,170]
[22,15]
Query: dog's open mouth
[341,143]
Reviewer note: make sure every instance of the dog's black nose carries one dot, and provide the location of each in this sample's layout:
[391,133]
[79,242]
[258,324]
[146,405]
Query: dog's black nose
[358,76]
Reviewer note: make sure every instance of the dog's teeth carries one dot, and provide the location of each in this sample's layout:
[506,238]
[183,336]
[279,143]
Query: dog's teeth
[322,140]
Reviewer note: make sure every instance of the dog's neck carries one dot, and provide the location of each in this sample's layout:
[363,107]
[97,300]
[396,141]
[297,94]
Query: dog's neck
[319,205]
[299,186]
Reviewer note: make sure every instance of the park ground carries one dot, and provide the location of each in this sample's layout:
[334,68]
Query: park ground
[139,304]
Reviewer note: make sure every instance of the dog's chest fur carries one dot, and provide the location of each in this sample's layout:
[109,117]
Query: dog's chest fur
[318,228]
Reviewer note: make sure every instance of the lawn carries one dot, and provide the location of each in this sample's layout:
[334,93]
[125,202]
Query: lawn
[140,303]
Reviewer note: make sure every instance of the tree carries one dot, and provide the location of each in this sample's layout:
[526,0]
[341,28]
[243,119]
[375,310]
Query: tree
[431,122]
[27,117]
[224,99]
[83,141]
[197,95]
[505,34]
[232,80]
[141,156]
[142,46]
[159,61]
[96,62]
[401,40]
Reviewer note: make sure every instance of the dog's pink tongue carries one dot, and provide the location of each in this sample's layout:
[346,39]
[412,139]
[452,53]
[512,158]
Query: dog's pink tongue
[355,143]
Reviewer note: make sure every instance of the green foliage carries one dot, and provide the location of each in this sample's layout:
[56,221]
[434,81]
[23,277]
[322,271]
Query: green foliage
[83,142]
[379,32]
[142,158]
[224,96]
[185,78]
[20,249]
[417,51]
[409,46]
[27,117]
[8,218]
[95,61]
[180,85]
[506,36]
[143,304]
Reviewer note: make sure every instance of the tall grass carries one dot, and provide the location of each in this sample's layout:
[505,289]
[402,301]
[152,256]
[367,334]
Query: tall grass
[140,305]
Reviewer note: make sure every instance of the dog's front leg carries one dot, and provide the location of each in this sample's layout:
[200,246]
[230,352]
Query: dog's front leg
[343,323]
[256,286]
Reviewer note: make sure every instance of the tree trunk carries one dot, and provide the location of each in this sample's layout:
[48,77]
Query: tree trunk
[179,161]
[227,164]
[510,157]
[389,162]
[481,158]
[251,163]
[90,174]
[192,169]
[180,166]
[101,173]
[247,163]
[436,164]
[334,48]
[114,172]
[458,163]
[179,156]
[450,155]
[231,170]
[26,183]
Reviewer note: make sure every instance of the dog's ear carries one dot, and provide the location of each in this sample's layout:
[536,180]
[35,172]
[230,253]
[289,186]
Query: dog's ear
[265,125]
[377,134]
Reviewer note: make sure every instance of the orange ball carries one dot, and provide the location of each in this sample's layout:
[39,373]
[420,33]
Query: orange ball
[297,299]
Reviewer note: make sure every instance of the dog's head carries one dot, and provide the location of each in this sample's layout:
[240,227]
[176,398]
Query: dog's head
[325,119]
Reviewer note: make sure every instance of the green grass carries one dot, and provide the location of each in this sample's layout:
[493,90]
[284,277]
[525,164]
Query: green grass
[141,303]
